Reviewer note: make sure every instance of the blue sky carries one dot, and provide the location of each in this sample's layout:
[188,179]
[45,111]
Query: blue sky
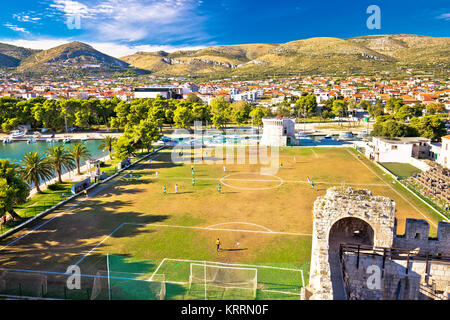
[120,27]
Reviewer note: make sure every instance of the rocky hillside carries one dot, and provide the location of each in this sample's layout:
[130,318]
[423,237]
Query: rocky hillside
[360,55]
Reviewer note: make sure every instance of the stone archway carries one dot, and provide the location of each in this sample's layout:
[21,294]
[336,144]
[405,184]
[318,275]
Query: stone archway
[348,230]
[345,215]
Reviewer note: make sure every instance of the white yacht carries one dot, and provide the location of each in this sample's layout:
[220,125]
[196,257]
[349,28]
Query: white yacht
[17,134]
[348,135]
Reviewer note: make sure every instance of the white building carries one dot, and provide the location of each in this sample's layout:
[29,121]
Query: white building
[153,92]
[441,152]
[398,149]
[278,132]
[249,96]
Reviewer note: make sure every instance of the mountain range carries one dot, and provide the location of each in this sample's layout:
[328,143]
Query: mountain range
[365,55]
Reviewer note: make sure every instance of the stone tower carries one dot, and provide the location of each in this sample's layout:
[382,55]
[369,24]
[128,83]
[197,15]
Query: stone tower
[345,215]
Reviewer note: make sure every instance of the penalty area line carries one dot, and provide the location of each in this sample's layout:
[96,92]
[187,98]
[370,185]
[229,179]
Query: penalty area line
[184,227]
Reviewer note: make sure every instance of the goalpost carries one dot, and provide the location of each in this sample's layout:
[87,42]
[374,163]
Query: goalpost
[223,282]
[120,283]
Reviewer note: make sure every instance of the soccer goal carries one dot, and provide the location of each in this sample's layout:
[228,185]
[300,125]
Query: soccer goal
[215,282]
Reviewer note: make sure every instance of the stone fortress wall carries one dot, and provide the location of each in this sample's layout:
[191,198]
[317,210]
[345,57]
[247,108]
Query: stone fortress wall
[417,270]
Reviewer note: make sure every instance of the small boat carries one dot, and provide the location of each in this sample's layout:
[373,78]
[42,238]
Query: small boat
[363,134]
[67,140]
[301,135]
[346,135]
[36,135]
[17,134]
[327,138]
[7,140]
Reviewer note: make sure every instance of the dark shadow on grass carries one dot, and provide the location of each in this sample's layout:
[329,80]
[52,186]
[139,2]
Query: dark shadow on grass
[231,250]
[65,239]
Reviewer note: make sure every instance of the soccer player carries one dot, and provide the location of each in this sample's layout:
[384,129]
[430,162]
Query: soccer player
[218,245]
[281,165]
[193,181]
[224,169]
[312,184]
[176,188]
[295,159]
[219,188]
[156,173]
[164,190]
[85,193]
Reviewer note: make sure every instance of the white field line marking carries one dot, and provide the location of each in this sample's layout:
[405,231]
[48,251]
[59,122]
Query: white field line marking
[156,271]
[219,229]
[276,291]
[234,264]
[247,223]
[90,251]
[272,180]
[187,227]
[315,154]
[69,208]
[403,197]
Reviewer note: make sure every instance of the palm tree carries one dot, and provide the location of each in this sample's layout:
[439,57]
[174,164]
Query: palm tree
[60,158]
[107,144]
[13,188]
[80,152]
[35,168]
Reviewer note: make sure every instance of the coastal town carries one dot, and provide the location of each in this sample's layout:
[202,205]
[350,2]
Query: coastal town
[266,92]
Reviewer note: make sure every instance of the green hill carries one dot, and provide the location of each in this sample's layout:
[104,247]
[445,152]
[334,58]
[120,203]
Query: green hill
[11,56]
[75,58]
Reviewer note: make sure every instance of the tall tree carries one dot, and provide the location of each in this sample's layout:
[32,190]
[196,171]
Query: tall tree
[431,127]
[183,117]
[306,105]
[36,167]
[219,112]
[80,152]
[107,144]
[13,189]
[257,114]
[61,159]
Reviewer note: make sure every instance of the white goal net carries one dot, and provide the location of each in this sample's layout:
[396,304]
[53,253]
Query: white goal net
[223,282]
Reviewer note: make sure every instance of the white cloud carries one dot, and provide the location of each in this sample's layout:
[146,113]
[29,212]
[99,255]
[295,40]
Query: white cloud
[132,20]
[15,28]
[445,16]
[110,48]
[26,18]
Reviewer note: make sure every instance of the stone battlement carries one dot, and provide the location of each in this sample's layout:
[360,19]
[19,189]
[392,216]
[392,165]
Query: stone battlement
[348,216]
[417,235]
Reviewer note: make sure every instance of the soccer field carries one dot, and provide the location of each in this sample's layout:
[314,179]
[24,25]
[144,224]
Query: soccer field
[264,222]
